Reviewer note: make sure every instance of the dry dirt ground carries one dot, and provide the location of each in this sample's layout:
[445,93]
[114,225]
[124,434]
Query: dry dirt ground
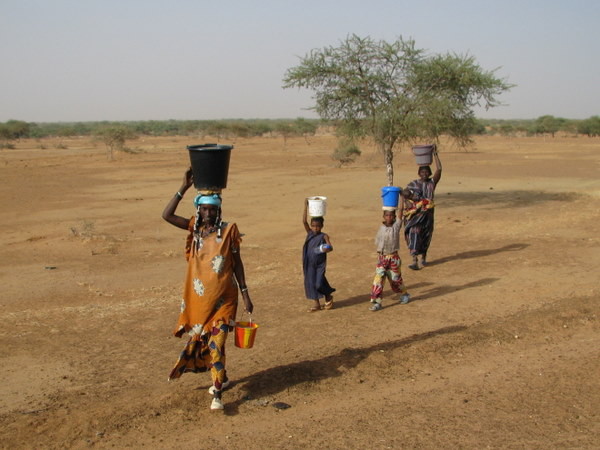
[498,349]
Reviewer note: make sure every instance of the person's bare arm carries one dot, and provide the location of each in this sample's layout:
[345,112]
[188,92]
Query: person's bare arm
[240,276]
[305,216]
[168,213]
[438,166]
[328,242]
[401,209]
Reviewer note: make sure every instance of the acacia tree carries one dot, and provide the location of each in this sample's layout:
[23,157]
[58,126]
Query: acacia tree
[394,92]
[590,126]
[305,128]
[114,138]
[548,124]
[285,129]
[14,129]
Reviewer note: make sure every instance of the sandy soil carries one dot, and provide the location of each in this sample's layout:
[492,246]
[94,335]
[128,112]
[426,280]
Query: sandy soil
[499,349]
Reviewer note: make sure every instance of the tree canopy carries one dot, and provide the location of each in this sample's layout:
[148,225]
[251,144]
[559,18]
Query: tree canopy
[547,124]
[114,138]
[394,92]
[590,126]
[14,129]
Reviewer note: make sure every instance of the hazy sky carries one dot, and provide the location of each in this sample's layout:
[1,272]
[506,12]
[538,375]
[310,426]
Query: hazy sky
[88,60]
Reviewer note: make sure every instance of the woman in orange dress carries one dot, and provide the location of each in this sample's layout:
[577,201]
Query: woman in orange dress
[215,271]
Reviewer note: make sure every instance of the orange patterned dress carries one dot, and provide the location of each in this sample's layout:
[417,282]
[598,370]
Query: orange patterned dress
[209,304]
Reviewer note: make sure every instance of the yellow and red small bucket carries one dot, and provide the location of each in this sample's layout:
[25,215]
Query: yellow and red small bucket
[245,333]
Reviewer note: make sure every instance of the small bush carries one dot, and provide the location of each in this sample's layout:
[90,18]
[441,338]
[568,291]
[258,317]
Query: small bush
[114,138]
[345,153]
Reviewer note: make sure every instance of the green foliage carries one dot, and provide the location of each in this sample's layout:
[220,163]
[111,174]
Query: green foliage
[346,152]
[284,129]
[218,129]
[114,138]
[299,127]
[231,128]
[547,125]
[227,128]
[14,129]
[305,127]
[507,129]
[569,126]
[590,127]
[477,128]
[395,93]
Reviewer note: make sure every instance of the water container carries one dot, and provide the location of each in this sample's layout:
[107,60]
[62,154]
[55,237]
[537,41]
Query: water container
[423,154]
[323,248]
[245,333]
[317,206]
[210,166]
[390,196]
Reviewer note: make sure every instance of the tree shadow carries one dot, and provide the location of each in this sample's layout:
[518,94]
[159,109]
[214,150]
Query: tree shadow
[478,253]
[503,199]
[277,379]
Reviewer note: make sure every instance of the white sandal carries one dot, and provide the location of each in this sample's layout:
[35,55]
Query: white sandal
[216,404]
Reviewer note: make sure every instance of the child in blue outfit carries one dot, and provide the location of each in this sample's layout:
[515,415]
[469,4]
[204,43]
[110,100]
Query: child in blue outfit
[314,262]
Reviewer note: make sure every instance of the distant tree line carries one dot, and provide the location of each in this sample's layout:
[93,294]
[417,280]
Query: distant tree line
[16,129]
[228,129]
[544,125]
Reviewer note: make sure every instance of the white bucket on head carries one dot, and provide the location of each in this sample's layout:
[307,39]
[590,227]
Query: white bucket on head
[317,206]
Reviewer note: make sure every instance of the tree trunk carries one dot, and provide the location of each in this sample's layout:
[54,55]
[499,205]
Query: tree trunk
[388,156]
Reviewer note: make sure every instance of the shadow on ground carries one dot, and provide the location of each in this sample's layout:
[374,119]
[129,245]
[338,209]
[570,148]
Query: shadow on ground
[478,253]
[502,199]
[280,378]
[438,291]
[366,297]
[390,298]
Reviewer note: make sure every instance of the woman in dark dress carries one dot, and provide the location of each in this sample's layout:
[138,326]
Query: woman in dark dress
[418,229]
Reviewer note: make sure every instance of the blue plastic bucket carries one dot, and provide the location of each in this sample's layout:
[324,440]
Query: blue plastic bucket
[390,196]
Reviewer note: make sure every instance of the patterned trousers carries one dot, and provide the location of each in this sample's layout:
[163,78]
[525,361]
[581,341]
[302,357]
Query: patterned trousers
[205,352]
[388,266]
[216,345]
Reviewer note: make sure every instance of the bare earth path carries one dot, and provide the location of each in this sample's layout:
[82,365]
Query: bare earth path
[499,349]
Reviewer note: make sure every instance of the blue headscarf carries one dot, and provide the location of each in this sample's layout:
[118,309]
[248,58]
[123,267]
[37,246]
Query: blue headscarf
[207,199]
